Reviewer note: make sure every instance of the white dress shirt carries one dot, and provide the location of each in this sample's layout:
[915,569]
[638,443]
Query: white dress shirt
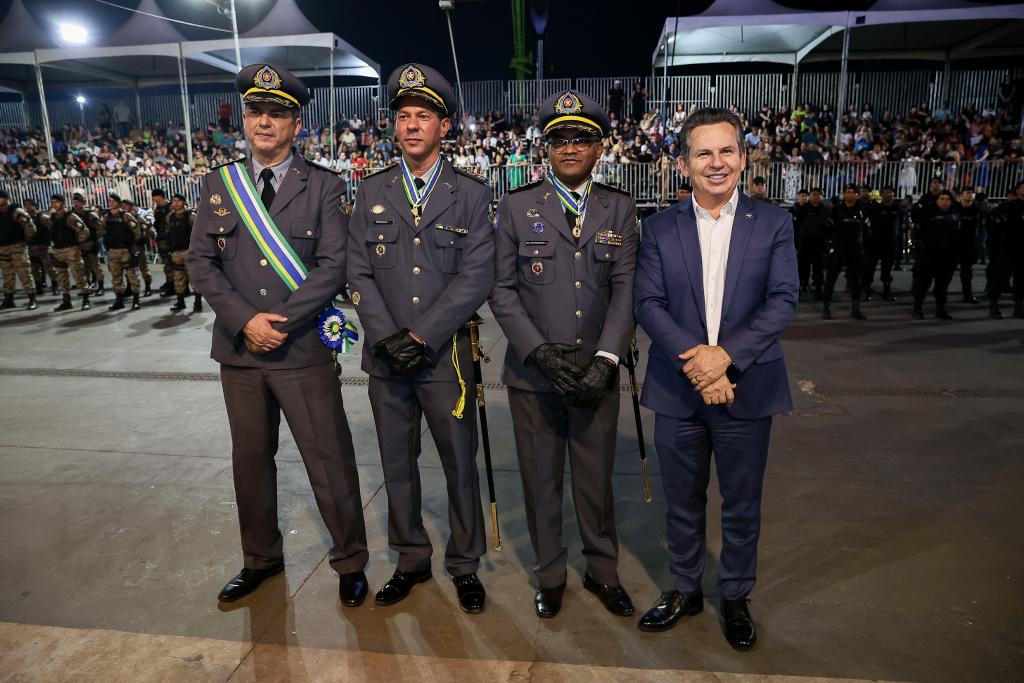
[715,236]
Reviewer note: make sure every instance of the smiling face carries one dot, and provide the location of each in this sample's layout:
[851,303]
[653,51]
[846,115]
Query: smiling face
[713,163]
[271,129]
[420,129]
[572,154]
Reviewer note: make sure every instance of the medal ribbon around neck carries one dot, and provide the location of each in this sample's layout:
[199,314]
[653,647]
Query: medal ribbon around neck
[565,195]
[417,198]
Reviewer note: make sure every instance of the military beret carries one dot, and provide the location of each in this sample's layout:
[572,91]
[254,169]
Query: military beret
[114,197]
[128,201]
[572,109]
[269,83]
[77,197]
[157,192]
[178,195]
[759,180]
[818,190]
[4,194]
[802,190]
[419,80]
[58,197]
[850,186]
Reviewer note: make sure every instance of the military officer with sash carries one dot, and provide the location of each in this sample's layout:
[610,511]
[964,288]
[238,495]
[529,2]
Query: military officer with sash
[565,260]
[268,253]
[420,264]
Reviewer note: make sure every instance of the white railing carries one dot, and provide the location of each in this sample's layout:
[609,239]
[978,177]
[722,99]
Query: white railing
[651,185]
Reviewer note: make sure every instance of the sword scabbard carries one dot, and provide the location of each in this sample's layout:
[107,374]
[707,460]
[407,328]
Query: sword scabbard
[496,542]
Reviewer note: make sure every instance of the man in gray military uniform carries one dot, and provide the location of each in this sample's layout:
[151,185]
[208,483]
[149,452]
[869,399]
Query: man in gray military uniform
[421,255]
[563,293]
[267,296]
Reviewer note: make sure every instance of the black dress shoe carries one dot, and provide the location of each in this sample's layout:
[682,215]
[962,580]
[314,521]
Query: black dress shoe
[671,605]
[547,602]
[247,581]
[471,593]
[352,588]
[399,586]
[614,598]
[739,626]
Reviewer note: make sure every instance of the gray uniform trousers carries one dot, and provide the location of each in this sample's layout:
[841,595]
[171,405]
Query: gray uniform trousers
[545,427]
[398,405]
[311,400]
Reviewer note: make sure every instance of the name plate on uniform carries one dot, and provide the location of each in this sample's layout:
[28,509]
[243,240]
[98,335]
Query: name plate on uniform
[608,237]
[452,228]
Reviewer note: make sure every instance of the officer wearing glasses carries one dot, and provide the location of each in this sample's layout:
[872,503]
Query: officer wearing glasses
[565,255]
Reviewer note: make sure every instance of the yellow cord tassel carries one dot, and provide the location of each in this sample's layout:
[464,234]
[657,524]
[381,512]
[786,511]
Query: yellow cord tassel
[460,405]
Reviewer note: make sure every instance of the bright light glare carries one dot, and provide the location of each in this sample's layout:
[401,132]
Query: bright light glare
[74,34]
[80,99]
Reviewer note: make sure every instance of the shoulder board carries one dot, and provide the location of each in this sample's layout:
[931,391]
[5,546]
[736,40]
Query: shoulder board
[470,174]
[527,186]
[612,188]
[378,171]
[228,163]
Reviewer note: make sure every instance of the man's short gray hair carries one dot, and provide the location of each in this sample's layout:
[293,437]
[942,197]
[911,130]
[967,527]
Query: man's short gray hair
[709,116]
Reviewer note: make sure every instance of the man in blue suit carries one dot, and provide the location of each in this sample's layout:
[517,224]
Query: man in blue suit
[716,285]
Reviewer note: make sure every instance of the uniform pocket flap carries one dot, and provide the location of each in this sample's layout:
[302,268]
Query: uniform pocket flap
[445,236]
[606,252]
[382,233]
[307,230]
[536,249]
[221,228]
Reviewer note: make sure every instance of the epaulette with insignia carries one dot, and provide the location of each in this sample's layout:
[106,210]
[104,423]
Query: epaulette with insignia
[228,163]
[527,186]
[469,174]
[612,188]
[378,171]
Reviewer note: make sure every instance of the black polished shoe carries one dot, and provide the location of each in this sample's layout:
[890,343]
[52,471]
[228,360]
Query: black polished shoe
[826,313]
[352,588]
[918,313]
[739,626]
[399,586]
[614,598]
[247,581]
[670,606]
[471,593]
[547,602]
[968,299]
[943,314]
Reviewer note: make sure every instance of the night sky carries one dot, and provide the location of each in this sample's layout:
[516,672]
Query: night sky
[596,38]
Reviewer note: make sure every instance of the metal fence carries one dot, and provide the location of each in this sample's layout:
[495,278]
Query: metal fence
[651,185]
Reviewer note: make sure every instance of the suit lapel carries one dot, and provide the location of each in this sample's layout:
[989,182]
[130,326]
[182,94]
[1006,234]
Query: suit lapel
[686,226]
[293,184]
[441,197]
[551,209]
[742,228]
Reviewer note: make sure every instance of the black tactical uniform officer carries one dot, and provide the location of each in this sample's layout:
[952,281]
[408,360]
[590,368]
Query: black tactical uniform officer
[886,220]
[565,262]
[967,255]
[935,253]
[815,219]
[161,207]
[844,249]
[421,262]
[1006,258]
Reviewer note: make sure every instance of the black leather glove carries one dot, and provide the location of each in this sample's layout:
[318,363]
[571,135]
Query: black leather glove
[398,351]
[417,365]
[598,378]
[561,374]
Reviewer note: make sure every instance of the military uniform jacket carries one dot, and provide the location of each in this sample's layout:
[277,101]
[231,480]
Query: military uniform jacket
[885,223]
[551,288]
[848,227]
[938,230]
[429,278]
[227,266]
[178,230]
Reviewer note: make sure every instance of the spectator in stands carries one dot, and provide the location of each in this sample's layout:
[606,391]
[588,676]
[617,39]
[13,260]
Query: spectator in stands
[615,100]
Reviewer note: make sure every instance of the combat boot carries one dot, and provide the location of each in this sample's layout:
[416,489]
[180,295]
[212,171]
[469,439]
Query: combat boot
[54,289]
[826,312]
[85,302]
[179,305]
[1018,309]
[993,311]
[918,313]
[118,303]
[855,311]
[65,305]
[8,302]
[98,289]
[32,305]
[941,313]
[166,290]
[135,302]
[868,294]
[197,304]
[149,290]
[887,292]
[969,297]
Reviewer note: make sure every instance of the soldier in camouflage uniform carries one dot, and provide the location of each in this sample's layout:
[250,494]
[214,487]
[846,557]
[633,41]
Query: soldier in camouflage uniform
[67,231]
[121,233]
[90,248]
[140,249]
[16,227]
[40,251]
[161,207]
[178,233]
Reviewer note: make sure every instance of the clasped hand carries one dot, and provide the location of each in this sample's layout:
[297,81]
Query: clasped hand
[705,369]
[260,336]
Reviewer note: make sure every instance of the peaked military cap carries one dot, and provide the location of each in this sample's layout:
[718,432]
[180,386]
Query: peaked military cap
[419,80]
[269,83]
[571,109]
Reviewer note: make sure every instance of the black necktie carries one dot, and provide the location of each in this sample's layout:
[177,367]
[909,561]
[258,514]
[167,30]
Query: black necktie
[268,193]
[418,182]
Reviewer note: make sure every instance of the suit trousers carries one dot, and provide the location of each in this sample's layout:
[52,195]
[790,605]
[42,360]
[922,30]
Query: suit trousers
[740,450]
[312,404]
[398,407]
[545,427]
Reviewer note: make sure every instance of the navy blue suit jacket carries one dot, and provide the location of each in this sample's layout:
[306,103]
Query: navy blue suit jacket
[761,289]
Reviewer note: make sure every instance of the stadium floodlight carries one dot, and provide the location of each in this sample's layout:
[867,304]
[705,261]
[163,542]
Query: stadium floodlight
[73,34]
[80,100]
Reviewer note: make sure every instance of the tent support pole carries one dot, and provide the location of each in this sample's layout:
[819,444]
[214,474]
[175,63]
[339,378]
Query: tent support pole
[138,105]
[843,76]
[331,108]
[947,74]
[183,79]
[793,84]
[42,103]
